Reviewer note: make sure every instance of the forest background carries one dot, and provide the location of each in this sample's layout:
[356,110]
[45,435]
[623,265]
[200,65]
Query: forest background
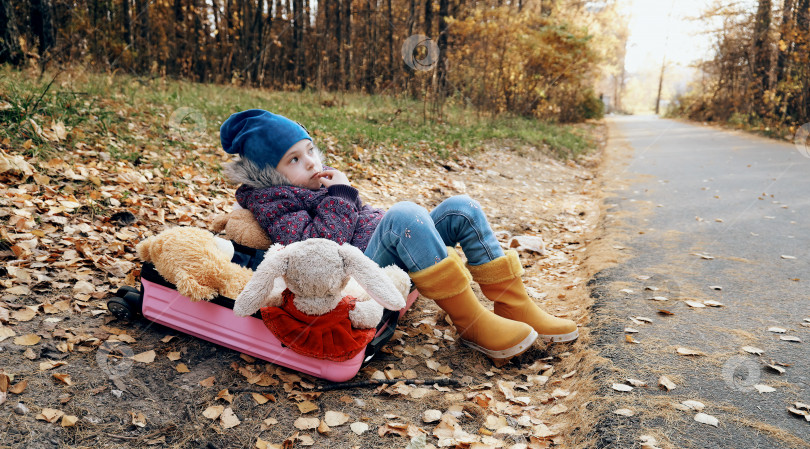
[537,58]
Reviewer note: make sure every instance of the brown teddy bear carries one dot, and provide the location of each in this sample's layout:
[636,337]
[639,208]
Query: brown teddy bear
[241,227]
[196,262]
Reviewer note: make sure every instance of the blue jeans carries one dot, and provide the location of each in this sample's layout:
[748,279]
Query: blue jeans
[413,239]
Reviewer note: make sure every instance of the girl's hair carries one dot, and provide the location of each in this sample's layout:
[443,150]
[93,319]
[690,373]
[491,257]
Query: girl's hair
[243,171]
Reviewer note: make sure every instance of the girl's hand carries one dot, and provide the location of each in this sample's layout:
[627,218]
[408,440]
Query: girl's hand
[333,177]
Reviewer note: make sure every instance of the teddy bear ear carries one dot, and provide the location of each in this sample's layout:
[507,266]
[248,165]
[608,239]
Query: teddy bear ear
[142,249]
[371,277]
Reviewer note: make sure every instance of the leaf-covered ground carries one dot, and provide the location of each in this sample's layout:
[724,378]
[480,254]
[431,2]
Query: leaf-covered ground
[73,376]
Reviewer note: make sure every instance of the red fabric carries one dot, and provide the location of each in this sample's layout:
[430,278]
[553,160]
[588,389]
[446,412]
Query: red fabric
[330,336]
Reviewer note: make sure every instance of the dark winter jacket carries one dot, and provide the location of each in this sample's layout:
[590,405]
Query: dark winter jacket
[290,214]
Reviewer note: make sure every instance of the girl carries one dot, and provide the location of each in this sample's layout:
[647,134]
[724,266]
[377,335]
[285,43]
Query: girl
[294,197]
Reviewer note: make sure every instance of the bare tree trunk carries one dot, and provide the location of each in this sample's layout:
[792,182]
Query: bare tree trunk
[442,62]
[42,24]
[127,21]
[390,42]
[341,74]
[370,57]
[10,50]
[803,26]
[761,65]
[142,13]
[180,39]
[349,53]
[298,32]
[441,82]
[428,17]
[784,35]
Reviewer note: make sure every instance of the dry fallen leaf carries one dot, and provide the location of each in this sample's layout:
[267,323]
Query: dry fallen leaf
[181,368]
[334,419]
[648,442]
[27,340]
[686,351]
[621,387]
[753,350]
[777,330]
[259,398]
[228,419]
[6,332]
[50,364]
[790,338]
[694,304]
[713,303]
[225,395]
[213,411]
[306,407]
[666,383]
[359,428]
[694,405]
[707,419]
[261,444]
[138,419]
[528,243]
[430,416]
[207,382]
[776,368]
[624,412]
[305,423]
[173,356]
[802,413]
[145,357]
[24,314]
[764,388]
[19,387]
[69,420]
[49,414]
[62,377]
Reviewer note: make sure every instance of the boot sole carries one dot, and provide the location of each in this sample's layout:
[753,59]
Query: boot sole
[501,357]
[561,338]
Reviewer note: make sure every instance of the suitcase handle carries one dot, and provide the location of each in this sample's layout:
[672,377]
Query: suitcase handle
[385,330]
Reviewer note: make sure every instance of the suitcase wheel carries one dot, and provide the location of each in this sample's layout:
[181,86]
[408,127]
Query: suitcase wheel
[126,304]
[120,309]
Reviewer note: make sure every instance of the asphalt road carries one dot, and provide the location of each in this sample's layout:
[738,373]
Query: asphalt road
[695,207]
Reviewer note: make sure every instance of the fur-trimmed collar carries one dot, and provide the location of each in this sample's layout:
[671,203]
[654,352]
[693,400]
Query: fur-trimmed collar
[244,171]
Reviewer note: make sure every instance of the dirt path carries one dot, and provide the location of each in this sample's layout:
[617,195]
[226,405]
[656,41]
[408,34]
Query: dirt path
[61,393]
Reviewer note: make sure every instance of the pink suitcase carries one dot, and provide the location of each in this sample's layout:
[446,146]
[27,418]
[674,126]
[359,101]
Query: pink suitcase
[215,321]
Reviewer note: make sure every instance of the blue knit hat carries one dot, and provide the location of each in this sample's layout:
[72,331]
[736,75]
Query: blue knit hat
[260,136]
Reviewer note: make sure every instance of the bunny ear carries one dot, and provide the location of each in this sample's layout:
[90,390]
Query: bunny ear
[260,285]
[371,277]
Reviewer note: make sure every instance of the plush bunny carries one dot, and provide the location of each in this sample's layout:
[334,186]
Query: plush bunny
[313,317]
[316,271]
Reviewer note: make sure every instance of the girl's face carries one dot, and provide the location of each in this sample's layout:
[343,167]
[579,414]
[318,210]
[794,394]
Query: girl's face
[301,164]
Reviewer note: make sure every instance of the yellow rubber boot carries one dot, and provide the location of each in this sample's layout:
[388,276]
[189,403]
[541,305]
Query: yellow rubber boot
[501,282]
[448,283]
